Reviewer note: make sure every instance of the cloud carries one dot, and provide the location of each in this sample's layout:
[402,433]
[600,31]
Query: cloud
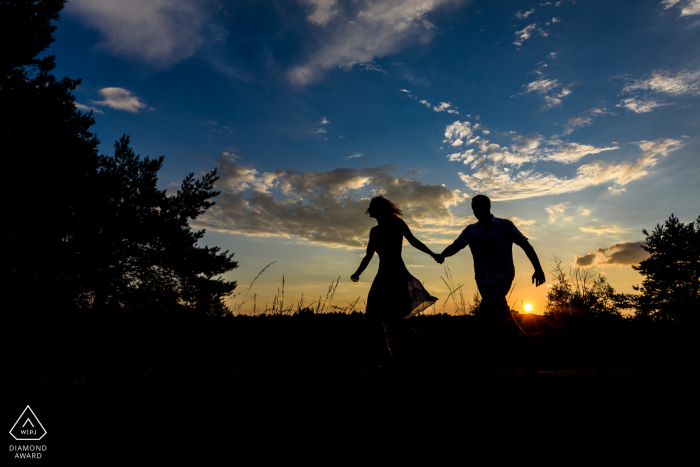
[663,81]
[525,148]
[87,108]
[584,211]
[322,11]
[324,121]
[555,211]
[524,34]
[404,90]
[549,90]
[503,183]
[689,7]
[619,254]
[353,156]
[522,15]
[164,31]
[616,191]
[321,130]
[635,104]
[585,118]
[443,107]
[604,229]
[325,207]
[359,32]
[120,99]
[366,66]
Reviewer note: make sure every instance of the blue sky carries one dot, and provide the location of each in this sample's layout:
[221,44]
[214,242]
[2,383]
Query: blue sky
[578,118]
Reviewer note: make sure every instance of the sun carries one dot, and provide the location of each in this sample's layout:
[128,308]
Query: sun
[528,307]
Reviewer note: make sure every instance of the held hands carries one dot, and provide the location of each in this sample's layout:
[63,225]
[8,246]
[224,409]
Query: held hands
[438,258]
[538,278]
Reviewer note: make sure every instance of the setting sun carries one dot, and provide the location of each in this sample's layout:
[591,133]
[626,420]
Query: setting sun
[528,307]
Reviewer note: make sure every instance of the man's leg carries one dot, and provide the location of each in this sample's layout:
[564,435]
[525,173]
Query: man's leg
[493,313]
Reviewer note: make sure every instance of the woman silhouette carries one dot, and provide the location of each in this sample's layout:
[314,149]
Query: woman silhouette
[395,294]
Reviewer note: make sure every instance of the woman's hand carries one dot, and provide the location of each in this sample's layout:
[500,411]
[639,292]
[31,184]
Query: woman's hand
[355,277]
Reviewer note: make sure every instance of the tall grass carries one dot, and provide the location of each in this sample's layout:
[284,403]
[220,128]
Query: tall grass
[278,308]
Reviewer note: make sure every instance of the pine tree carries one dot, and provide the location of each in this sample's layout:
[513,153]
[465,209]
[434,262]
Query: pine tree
[138,248]
[82,229]
[48,155]
[671,288]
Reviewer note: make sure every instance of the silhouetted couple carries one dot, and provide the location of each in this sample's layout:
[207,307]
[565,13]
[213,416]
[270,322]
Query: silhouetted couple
[396,295]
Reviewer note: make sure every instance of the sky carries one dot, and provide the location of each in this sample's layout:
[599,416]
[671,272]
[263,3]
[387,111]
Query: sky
[579,119]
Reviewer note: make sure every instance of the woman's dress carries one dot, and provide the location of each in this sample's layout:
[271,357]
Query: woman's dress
[395,293]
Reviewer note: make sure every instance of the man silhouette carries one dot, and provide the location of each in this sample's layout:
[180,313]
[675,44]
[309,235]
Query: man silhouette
[491,242]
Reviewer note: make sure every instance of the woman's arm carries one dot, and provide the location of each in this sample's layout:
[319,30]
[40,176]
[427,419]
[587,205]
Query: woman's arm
[365,261]
[413,240]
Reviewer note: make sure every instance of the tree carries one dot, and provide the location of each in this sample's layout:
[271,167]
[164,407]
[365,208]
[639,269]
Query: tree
[48,153]
[584,291]
[671,287]
[84,229]
[137,247]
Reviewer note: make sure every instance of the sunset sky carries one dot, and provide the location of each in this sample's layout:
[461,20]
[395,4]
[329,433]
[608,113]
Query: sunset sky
[579,119]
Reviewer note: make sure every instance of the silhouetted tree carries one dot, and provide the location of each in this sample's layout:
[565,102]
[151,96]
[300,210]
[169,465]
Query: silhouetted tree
[671,288]
[584,291]
[138,247]
[48,154]
[83,229]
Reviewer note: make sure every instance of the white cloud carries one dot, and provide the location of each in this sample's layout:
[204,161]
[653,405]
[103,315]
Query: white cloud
[404,90]
[584,211]
[88,108]
[619,254]
[156,30]
[501,183]
[324,121]
[549,90]
[522,15]
[322,11]
[586,118]
[120,99]
[524,34]
[568,153]
[692,8]
[321,130]
[616,191]
[442,107]
[604,229]
[555,211]
[525,148]
[683,83]
[353,156]
[635,104]
[689,7]
[359,32]
[325,207]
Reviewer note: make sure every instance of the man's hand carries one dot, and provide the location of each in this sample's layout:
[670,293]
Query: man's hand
[439,258]
[355,278]
[538,278]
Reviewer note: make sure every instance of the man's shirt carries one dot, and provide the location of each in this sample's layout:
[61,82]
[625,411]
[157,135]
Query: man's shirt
[493,249]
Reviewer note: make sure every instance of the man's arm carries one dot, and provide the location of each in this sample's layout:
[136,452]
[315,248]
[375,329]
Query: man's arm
[449,251]
[538,277]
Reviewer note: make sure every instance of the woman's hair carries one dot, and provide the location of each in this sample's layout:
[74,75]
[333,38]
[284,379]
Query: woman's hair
[385,206]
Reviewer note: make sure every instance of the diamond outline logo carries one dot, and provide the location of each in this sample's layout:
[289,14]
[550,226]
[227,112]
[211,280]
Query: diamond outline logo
[30,422]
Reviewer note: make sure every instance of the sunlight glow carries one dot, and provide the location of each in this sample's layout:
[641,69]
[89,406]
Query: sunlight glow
[528,307]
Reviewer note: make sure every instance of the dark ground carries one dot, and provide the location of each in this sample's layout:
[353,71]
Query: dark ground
[97,383]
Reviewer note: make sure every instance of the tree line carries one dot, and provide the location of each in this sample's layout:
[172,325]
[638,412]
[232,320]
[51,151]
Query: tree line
[670,288]
[84,230]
